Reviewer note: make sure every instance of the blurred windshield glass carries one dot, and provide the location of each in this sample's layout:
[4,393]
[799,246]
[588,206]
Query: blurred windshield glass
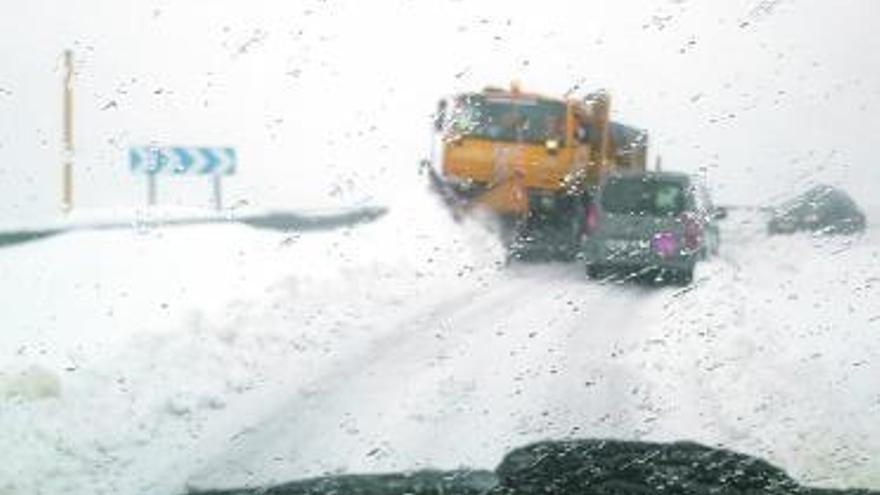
[641,196]
[508,119]
[250,242]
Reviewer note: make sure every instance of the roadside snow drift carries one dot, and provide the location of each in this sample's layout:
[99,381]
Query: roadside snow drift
[120,348]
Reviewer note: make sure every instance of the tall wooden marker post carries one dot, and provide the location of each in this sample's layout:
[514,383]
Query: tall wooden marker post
[67,161]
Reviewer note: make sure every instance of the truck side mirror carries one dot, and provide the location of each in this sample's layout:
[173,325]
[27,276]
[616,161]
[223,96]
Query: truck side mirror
[440,116]
[582,134]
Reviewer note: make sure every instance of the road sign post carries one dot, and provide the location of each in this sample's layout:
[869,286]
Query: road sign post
[67,119]
[179,160]
[218,191]
[151,189]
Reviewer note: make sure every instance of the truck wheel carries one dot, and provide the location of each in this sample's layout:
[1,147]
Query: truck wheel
[574,232]
[569,252]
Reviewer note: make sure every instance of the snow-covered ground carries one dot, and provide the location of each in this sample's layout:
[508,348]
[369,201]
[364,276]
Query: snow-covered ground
[148,361]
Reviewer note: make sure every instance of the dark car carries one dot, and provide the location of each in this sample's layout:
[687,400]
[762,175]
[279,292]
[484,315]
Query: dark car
[651,222]
[822,209]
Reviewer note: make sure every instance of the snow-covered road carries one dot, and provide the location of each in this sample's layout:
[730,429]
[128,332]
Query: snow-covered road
[743,359]
[267,358]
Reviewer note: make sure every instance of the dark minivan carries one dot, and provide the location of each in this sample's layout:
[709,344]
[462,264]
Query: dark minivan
[651,223]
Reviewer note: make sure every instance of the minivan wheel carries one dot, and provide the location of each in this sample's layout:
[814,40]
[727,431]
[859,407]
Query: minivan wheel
[684,276]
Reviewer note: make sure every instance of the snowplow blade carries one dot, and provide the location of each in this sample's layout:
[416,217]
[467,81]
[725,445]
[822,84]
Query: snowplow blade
[509,197]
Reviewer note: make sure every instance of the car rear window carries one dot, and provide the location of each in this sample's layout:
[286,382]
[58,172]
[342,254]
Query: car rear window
[643,196]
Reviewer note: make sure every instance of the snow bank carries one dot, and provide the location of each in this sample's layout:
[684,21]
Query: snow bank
[29,384]
[165,340]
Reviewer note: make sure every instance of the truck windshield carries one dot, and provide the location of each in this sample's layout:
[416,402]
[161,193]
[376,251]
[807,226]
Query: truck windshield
[641,196]
[508,119]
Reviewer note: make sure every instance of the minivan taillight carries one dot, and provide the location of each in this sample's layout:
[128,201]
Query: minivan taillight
[693,233]
[592,219]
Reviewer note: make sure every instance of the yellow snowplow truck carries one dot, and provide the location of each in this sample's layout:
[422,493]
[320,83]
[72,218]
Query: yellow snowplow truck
[530,160]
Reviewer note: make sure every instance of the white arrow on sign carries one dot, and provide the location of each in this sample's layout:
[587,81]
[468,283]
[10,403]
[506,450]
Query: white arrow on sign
[180,160]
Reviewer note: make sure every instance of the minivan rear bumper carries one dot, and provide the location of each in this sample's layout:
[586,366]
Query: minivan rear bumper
[633,254]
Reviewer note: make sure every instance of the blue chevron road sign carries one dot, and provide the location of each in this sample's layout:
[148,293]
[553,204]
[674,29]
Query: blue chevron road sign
[178,160]
[153,161]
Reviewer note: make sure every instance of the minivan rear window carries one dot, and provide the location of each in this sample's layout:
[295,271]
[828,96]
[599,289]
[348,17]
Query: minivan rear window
[643,196]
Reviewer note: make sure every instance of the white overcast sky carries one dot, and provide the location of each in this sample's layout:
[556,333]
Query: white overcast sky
[327,101]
